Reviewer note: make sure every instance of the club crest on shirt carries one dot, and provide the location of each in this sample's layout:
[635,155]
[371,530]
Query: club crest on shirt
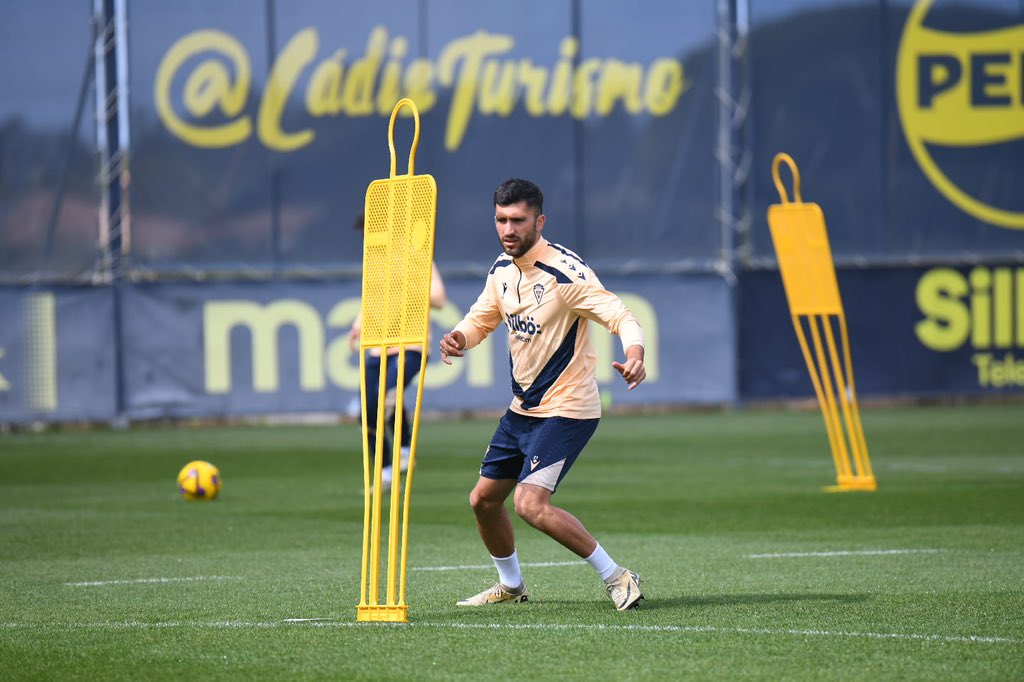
[538,292]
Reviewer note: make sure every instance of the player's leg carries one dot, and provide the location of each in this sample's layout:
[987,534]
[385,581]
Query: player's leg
[551,448]
[498,473]
[413,358]
[406,439]
[495,526]
[492,519]
[372,379]
[533,505]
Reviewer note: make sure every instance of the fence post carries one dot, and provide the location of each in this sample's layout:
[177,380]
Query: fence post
[113,146]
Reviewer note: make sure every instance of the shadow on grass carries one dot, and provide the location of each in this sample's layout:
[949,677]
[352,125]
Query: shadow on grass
[506,614]
[654,602]
[745,599]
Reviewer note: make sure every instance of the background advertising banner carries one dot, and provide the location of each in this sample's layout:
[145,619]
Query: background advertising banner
[201,181]
[905,119]
[238,348]
[913,331]
[57,354]
[256,135]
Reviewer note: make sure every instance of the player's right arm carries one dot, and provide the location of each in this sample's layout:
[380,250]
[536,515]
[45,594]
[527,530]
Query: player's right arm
[482,319]
[452,344]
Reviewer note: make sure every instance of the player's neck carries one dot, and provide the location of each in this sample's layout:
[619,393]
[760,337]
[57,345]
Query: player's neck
[531,254]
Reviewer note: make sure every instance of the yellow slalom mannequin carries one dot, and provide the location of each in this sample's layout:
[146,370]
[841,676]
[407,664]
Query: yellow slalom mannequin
[809,277]
[398,255]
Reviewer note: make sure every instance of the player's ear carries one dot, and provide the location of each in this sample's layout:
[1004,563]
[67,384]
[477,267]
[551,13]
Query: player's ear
[541,219]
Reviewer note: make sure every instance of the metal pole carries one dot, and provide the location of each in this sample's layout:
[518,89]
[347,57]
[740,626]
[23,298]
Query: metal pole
[725,148]
[103,270]
[733,158]
[123,121]
[112,142]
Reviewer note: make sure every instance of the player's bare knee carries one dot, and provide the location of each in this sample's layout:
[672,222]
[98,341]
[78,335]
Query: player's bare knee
[481,502]
[530,509]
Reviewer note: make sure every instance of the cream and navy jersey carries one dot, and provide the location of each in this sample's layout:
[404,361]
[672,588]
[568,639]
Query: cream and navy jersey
[545,298]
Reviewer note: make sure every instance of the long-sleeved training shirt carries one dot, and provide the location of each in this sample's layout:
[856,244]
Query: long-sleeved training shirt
[545,298]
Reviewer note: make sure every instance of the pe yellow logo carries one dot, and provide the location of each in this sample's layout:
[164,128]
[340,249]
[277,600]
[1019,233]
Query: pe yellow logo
[960,90]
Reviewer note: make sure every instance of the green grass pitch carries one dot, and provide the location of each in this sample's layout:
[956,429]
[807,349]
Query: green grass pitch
[751,572]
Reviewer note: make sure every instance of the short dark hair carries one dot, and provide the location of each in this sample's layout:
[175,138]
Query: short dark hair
[514,190]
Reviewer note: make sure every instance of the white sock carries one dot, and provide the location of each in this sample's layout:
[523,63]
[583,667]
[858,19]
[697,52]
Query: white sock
[509,574]
[602,563]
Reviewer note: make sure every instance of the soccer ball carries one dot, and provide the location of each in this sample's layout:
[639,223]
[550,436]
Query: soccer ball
[199,480]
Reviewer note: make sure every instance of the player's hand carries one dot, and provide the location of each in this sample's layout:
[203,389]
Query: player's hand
[632,370]
[353,338]
[452,344]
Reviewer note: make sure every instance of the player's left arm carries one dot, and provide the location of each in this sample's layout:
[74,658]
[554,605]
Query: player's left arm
[632,370]
[438,294]
[589,299]
[356,332]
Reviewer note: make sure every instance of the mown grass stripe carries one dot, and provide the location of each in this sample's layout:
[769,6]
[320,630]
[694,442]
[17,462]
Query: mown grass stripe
[840,553]
[473,567]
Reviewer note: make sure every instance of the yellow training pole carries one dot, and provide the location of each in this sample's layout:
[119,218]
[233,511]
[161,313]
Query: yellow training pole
[378,469]
[398,255]
[412,467]
[366,486]
[819,392]
[842,456]
[396,485]
[861,449]
[809,278]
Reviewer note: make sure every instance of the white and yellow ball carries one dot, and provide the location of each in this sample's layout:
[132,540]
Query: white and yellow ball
[199,480]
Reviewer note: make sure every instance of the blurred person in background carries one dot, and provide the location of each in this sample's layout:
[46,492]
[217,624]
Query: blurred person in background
[413,359]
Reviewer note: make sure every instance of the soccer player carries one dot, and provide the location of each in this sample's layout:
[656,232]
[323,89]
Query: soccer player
[413,359]
[545,294]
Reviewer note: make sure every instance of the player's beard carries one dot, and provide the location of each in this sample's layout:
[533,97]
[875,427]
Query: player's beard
[524,244]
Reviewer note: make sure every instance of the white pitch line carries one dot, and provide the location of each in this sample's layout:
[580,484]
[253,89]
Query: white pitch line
[307,620]
[539,564]
[863,552]
[149,581]
[669,629]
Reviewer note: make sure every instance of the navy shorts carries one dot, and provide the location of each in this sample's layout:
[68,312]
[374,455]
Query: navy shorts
[536,450]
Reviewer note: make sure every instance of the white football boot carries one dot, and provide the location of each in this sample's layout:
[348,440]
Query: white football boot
[495,595]
[624,590]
